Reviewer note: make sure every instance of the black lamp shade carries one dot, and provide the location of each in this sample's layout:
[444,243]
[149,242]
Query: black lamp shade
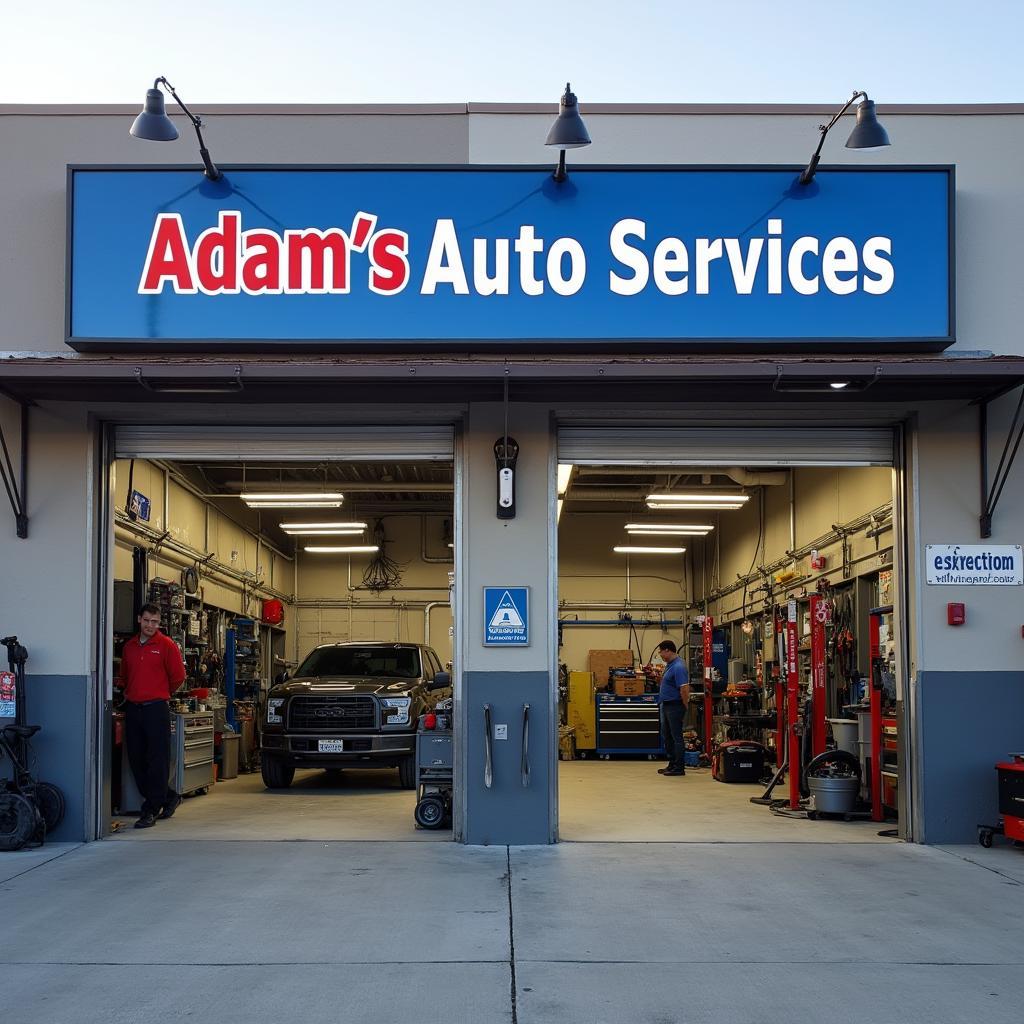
[153,123]
[867,133]
[568,131]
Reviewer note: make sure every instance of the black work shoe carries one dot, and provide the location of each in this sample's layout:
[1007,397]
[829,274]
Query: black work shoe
[145,821]
[170,807]
[670,771]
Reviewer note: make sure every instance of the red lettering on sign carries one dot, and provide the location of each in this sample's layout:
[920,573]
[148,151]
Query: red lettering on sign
[216,256]
[389,252]
[168,258]
[261,262]
[315,256]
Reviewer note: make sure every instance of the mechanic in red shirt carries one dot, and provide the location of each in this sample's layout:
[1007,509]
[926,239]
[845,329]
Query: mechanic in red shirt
[151,671]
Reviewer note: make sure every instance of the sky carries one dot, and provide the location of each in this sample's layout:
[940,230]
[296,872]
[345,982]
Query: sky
[712,51]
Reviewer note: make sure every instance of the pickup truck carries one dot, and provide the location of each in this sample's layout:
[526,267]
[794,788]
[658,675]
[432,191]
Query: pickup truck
[350,705]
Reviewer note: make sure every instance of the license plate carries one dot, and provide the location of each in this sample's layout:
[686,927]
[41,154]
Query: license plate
[331,746]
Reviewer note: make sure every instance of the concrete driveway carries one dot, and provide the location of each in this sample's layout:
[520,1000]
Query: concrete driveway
[358,932]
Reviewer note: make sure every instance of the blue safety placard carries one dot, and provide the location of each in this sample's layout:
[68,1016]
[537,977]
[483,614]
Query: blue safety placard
[506,616]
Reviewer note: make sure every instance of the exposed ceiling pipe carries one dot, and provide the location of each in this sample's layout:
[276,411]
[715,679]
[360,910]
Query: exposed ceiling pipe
[745,478]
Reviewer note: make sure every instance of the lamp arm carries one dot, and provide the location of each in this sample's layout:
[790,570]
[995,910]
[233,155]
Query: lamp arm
[212,171]
[807,174]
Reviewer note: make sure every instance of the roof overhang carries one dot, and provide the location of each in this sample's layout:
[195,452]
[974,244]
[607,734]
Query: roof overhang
[426,379]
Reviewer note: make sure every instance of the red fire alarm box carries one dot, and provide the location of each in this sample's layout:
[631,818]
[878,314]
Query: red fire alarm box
[273,612]
[817,561]
[956,614]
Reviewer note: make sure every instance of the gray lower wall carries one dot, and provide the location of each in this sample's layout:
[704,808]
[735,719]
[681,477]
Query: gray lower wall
[508,813]
[58,704]
[969,721]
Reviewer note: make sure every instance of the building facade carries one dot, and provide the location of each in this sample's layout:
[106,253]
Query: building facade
[567,391]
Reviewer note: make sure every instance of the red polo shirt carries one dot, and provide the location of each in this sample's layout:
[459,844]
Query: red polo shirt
[151,671]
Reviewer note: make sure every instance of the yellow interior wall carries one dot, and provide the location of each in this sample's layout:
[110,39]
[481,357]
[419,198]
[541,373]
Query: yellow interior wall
[590,571]
[187,517]
[330,612]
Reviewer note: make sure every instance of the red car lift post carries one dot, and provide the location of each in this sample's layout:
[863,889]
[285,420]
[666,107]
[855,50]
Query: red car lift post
[875,692]
[818,737]
[709,706]
[793,705]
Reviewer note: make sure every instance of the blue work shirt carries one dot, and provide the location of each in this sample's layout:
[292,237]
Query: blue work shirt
[673,679]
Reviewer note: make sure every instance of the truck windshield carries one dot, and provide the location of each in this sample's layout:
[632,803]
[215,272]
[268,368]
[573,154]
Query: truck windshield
[376,662]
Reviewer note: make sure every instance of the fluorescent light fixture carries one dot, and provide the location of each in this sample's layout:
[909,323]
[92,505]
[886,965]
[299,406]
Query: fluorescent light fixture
[292,496]
[838,385]
[356,549]
[325,533]
[564,475]
[732,499]
[667,533]
[299,527]
[693,528]
[692,506]
[648,551]
[293,503]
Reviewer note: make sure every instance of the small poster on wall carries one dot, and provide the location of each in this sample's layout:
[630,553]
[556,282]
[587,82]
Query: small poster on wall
[8,695]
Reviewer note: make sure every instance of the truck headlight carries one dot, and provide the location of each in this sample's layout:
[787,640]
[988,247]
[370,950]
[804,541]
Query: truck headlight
[273,710]
[400,714]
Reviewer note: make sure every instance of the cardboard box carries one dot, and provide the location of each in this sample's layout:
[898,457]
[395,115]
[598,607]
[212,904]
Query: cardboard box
[628,686]
[602,662]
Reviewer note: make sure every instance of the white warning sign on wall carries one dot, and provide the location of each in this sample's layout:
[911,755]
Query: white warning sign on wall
[506,617]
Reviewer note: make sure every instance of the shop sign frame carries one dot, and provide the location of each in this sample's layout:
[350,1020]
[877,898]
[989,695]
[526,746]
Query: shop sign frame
[927,342]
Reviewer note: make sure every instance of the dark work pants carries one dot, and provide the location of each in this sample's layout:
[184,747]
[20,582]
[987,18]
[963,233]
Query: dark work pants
[148,741]
[672,734]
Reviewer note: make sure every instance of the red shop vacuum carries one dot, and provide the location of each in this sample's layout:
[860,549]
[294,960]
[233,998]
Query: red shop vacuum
[1011,803]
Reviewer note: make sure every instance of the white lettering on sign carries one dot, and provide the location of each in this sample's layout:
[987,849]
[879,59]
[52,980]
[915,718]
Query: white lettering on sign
[229,259]
[995,565]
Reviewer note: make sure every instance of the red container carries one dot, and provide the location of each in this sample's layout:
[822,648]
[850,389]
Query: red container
[273,612]
[1011,798]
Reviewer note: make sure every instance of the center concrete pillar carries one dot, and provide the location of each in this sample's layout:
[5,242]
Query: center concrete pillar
[503,553]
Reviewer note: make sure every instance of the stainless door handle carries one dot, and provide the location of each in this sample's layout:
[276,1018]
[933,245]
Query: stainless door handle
[488,750]
[525,764]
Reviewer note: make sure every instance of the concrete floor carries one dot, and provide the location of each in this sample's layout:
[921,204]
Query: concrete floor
[581,933]
[629,802]
[352,805]
[599,801]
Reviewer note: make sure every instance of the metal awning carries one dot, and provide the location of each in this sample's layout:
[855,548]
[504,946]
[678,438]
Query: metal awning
[426,379]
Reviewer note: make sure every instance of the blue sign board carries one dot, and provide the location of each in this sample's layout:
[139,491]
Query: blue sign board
[473,257]
[139,506]
[506,616]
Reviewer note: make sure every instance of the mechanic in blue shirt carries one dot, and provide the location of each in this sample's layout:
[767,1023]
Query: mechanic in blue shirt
[673,697]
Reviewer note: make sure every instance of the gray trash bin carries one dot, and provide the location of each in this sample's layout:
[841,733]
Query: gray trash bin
[229,755]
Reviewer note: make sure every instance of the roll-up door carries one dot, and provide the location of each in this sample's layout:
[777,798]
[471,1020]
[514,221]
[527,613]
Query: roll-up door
[725,446]
[421,443]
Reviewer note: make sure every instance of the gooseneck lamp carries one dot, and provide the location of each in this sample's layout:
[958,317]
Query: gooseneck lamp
[868,133]
[568,131]
[154,125]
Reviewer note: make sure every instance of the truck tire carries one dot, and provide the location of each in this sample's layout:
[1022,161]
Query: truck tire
[51,804]
[18,821]
[407,773]
[276,774]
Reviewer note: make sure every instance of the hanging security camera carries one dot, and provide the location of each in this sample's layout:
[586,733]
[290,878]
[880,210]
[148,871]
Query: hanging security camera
[506,452]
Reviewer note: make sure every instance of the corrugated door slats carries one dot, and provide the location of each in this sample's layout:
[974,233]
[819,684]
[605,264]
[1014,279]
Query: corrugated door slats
[726,446]
[421,443]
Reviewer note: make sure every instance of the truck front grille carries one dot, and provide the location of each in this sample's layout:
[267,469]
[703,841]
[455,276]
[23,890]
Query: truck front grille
[324,713]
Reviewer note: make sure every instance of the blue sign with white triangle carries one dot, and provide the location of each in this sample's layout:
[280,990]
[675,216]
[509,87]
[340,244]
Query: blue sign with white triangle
[506,616]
